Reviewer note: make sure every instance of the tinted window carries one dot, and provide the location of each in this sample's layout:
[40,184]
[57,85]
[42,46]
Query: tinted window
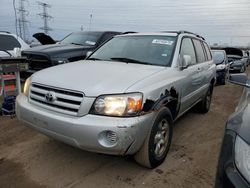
[199,51]
[187,48]
[209,56]
[156,50]
[218,57]
[82,38]
[8,42]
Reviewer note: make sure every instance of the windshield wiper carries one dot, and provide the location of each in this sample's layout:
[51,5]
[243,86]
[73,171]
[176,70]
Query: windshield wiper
[128,60]
[76,44]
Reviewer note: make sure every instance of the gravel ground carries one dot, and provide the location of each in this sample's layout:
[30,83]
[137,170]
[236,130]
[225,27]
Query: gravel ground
[29,159]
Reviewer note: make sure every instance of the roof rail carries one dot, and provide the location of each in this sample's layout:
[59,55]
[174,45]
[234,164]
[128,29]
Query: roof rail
[188,32]
[128,32]
[5,32]
[183,31]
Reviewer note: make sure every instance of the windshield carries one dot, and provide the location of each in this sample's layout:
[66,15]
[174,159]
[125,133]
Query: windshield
[83,38]
[218,57]
[151,50]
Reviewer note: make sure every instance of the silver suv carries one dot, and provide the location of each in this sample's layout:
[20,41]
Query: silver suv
[124,98]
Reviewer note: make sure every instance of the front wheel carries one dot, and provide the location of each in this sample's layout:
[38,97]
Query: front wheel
[157,143]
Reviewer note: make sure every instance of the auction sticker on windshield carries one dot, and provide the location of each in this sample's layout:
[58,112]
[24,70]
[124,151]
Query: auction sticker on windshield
[90,42]
[160,41]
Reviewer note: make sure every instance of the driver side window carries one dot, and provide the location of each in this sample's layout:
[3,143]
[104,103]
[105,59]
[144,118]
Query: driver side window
[187,48]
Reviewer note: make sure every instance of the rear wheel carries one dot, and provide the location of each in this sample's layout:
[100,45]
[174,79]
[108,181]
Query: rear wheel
[157,143]
[204,105]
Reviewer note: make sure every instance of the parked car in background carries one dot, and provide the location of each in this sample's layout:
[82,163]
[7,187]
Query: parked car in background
[8,42]
[236,59]
[222,66]
[124,98]
[248,55]
[233,169]
[245,58]
[73,47]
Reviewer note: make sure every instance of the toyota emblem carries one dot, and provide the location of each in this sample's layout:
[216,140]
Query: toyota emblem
[50,96]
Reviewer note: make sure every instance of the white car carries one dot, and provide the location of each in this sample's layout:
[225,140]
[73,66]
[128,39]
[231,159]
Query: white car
[10,44]
[124,97]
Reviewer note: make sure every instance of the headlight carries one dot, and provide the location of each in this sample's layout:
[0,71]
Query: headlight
[58,61]
[26,87]
[220,67]
[118,105]
[242,157]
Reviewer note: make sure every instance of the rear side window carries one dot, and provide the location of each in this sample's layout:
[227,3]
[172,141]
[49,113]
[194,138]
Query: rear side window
[209,56]
[8,42]
[199,51]
[187,48]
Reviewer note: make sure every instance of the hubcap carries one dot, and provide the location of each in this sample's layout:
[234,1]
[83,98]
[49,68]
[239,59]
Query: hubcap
[161,138]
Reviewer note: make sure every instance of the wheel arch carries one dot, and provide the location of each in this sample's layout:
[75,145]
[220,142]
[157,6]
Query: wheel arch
[169,100]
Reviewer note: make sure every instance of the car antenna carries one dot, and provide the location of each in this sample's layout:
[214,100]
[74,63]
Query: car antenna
[90,21]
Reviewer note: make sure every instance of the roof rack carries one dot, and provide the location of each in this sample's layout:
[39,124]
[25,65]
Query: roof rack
[183,31]
[188,32]
[128,32]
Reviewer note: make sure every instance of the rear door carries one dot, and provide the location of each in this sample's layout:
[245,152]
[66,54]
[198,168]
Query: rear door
[193,77]
[202,67]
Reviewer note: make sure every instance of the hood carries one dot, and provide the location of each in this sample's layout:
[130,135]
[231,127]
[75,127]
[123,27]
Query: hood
[240,119]
[233,51]
[244,130]
[95,78]
[57,49]
[43,38]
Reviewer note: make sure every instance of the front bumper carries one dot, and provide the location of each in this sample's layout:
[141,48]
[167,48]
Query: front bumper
[86,132]
[228,176]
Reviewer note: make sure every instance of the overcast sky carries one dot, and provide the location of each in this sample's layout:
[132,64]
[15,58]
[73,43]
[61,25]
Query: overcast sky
[219,21]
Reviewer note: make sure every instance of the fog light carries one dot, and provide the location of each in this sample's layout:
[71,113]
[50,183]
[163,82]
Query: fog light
[108,138]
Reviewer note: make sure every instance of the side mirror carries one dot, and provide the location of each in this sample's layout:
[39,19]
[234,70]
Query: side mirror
[185,61]
[239,79]
[88,54]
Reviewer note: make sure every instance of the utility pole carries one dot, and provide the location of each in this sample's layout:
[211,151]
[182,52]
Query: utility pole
[46,17]
[22,22]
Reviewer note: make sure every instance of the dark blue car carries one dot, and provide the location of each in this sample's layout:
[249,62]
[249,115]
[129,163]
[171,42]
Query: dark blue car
[222,66]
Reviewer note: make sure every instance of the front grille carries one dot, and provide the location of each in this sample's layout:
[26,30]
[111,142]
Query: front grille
[37,62]
[56,99]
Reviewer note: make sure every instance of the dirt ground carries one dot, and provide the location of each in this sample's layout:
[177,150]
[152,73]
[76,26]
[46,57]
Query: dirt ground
[30,159]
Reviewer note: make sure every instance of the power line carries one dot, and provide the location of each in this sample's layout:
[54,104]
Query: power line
[14,6]
[46,17]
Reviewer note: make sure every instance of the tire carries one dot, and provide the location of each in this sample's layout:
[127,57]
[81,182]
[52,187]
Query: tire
[204,105]
[157,143]
[223,81]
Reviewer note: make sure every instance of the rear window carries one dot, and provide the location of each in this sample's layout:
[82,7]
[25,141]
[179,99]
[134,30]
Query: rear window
[199,51]
[8,42]
[209,56]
